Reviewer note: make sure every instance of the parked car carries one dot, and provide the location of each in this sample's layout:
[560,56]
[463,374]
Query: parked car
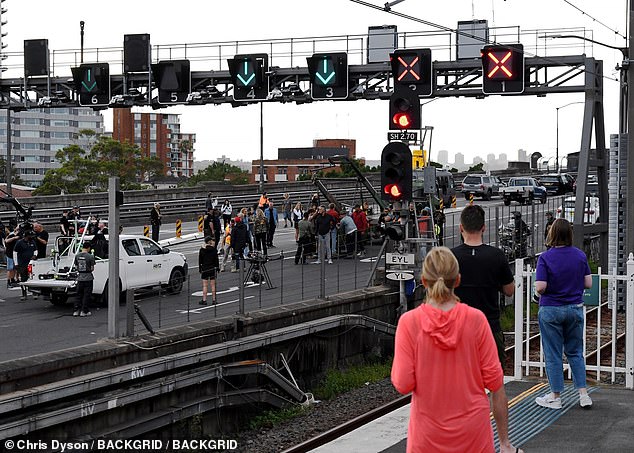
[557,183]
[591,209]
[480,186]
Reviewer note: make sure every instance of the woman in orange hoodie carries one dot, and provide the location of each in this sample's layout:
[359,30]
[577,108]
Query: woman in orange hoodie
[446,356]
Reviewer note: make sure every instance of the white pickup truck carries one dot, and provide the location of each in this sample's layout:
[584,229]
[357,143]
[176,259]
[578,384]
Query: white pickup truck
[142,263]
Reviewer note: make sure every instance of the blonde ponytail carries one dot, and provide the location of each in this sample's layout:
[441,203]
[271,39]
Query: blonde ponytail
[440,271]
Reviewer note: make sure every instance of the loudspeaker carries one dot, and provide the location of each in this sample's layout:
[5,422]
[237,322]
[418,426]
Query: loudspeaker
[35,57]
[136,53]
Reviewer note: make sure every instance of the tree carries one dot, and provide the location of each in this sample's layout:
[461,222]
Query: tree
[83,171]
[220,171]
[15,175]
[453,170]
[477,168]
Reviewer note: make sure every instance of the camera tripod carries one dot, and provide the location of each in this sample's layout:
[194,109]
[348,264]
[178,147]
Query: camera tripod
[257,271]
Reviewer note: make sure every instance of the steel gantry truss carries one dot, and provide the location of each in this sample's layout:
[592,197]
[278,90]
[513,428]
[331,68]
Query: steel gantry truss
[543,75]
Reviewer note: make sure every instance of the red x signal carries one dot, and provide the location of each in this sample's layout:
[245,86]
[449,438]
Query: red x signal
[408,68]
[500,64]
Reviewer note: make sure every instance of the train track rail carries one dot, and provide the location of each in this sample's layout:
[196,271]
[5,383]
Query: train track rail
[346,427]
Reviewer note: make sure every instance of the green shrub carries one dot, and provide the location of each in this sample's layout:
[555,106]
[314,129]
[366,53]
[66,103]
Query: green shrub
[270,419]
[337,382]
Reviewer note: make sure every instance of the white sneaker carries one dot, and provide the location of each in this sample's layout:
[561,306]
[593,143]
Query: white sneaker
[549,401]
[317,262]
[585,401]
[329,261]
[87,313]
[76,313]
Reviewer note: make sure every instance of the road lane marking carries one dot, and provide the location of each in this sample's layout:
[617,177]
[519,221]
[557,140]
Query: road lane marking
[206,307]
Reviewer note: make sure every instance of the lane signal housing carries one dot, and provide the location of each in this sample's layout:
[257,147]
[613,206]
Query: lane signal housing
[503,69]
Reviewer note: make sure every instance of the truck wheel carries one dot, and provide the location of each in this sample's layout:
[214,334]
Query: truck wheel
[59,299]
[488,195]
[102,299]
[507,202]
[466,195]
[175,284]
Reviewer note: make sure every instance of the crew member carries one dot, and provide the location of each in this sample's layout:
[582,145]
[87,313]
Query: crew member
[85,265]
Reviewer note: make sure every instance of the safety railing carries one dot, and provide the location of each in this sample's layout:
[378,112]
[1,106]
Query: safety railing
[608,335]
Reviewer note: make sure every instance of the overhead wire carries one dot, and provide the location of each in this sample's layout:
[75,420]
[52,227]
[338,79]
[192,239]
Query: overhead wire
[616,32]
[468,35]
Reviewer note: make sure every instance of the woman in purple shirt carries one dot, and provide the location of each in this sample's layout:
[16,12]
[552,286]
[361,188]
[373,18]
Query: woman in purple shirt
[562,274]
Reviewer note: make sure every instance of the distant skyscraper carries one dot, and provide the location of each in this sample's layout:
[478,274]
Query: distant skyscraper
[443,157]
[522,156]
[458,161]
[491,160]
[503,161]
[477,160]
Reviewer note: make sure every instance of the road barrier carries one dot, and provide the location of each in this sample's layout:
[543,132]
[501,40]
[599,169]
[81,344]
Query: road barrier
[179,228]
[200,223]
[146,231]
[470,198]
[454,201]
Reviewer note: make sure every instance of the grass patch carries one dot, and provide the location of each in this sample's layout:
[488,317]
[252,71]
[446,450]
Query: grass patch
[270,419]
[337,382]
[507,319]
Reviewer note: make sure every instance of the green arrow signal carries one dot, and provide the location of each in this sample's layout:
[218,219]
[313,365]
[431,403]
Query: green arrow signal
[91,87]
[327,76]
[248,80]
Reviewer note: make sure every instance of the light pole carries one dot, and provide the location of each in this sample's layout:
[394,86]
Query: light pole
[557,145]
[261,185]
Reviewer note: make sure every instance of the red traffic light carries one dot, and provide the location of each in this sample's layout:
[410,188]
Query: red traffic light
[402,120]
[393,190]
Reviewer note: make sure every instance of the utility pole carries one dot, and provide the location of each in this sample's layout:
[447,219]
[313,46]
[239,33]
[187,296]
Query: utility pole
[629,230]
[261,185]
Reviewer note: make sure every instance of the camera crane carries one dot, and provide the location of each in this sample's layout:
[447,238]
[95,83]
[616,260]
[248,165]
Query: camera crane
[22,215]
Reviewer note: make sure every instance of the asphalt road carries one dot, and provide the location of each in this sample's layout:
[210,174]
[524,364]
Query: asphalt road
[37,326]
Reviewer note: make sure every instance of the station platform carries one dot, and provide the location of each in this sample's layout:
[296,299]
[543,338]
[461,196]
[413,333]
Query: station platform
[607,427]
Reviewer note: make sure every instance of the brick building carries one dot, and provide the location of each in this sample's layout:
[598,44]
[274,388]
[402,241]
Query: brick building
[293,162]
[158,135]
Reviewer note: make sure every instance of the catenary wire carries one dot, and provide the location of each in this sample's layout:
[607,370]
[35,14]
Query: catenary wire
[616,32]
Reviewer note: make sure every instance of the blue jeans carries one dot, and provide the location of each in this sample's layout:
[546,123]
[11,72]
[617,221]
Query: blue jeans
[324,247]
[333,240]
[562,331]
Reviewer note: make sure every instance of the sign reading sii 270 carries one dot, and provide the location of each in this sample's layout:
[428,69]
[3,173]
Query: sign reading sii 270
[328,75]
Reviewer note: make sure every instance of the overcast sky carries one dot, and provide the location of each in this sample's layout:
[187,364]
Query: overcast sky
[460,125]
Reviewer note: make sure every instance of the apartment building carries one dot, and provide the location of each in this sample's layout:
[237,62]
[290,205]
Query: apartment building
[37,134]
[158,135]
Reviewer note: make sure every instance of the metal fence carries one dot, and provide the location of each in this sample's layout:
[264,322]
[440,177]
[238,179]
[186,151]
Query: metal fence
[608,336]
[265,284]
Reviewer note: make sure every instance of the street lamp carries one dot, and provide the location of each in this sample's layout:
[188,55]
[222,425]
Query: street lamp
[557,146]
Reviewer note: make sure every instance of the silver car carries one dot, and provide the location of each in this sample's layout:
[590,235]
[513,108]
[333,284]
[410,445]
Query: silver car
[480,186]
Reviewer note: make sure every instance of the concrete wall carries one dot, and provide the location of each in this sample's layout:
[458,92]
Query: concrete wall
[375,302]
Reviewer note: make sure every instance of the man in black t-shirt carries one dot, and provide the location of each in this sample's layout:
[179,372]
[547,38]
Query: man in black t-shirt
[484,272]
[41,240]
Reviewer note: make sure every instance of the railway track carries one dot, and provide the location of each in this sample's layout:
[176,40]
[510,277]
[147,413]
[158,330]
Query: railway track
[346,427]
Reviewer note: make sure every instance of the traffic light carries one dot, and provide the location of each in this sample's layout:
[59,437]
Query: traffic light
[404,111]
[250,82]
[396,172]
[173,80]
[412,70]
[503,69]
[92,83]
[328,75]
